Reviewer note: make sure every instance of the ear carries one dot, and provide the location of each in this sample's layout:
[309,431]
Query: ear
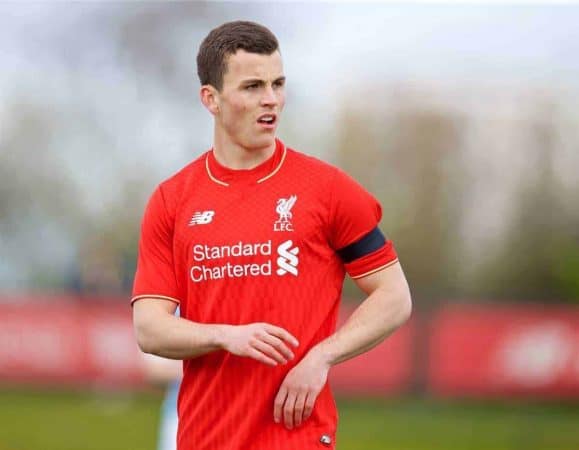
[210,98]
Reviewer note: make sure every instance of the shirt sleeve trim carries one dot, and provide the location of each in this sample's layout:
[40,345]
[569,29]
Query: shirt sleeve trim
[375,270]
[162,297]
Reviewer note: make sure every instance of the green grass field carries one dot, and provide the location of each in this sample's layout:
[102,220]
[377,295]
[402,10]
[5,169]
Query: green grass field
[43,420]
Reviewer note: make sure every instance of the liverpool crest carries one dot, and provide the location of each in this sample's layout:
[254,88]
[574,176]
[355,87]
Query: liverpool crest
[283,208]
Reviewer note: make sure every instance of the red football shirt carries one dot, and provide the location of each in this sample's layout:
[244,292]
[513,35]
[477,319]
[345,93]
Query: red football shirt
[270,244]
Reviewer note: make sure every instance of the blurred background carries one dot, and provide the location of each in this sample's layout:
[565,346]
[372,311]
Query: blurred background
[462,119]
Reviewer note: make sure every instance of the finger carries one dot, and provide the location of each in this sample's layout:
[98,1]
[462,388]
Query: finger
[282,334]
[269,351]
[299,408]
[278,344]
[288,410]
[309,405]
[278,404]
[257,355]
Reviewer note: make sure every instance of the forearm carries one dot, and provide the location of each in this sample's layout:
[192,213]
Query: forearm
[176,338]
[374,320]
[160,333]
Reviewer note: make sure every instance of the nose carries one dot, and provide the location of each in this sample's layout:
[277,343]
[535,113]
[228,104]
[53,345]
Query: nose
[269,97]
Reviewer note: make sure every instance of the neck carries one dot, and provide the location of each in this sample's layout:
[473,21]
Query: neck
[235,156]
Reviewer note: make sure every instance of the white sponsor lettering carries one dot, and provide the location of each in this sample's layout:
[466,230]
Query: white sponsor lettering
[287,260]
[206,252]
[258,260]
[228,270]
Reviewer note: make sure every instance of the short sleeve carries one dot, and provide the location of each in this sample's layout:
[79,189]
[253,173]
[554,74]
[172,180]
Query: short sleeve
[155,276]
[354,232]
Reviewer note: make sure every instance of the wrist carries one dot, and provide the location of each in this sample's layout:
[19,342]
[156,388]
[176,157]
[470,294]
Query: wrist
[323,354]
[217,336]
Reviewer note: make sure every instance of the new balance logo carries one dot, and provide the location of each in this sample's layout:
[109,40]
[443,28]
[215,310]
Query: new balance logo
[201,218]
[287,260]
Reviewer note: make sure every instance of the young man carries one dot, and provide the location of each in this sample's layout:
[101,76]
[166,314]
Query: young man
[253,240]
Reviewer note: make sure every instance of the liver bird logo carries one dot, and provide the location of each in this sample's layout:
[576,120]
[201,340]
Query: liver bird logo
[283,208]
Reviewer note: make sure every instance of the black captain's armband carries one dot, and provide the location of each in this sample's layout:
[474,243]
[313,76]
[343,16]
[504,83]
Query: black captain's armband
[367,244]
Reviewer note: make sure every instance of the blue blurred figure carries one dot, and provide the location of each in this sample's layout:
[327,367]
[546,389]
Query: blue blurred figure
[167,372]
[169,420]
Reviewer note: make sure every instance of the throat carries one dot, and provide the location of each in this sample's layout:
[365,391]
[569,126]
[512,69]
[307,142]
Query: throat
[240,158]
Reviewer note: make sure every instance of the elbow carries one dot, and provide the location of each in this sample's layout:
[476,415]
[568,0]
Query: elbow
[407,307]
[404,307]
[145,340]
[146,346]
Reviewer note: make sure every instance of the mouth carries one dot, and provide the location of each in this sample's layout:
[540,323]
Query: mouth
[268,120]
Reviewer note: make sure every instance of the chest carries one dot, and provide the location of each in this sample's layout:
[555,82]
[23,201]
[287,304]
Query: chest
[248,254]
[252,215]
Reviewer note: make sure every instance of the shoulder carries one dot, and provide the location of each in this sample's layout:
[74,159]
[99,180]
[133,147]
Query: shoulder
[320,172]
[167,195]
[181,182]
[310,166]
[192,170]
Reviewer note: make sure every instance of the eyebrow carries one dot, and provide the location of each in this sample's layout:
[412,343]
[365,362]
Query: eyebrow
[260,81]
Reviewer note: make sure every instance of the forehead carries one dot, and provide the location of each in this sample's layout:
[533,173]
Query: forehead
[242,65]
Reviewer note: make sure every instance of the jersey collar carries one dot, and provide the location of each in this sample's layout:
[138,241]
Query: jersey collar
[225,176]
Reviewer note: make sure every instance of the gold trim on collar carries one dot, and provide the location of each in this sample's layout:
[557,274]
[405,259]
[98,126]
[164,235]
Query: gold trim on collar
[223,183]
[276,170]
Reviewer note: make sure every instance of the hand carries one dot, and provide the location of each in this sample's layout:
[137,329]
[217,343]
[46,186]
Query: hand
[263,342]
[300,389]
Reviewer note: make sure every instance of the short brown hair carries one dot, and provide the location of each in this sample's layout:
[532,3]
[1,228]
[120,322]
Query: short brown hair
[225,40]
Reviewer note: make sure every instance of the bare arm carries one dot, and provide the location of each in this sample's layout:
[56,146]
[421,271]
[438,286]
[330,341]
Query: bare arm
[387,307]
[161,333]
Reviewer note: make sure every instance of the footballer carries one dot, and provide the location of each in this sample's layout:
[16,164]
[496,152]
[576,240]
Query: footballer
[252,240]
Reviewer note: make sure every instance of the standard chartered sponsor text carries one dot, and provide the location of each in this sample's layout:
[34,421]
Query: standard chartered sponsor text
[206,253]
[228,270]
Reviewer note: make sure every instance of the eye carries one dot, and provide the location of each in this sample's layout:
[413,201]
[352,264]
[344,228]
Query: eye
[279,83]
[250,87]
